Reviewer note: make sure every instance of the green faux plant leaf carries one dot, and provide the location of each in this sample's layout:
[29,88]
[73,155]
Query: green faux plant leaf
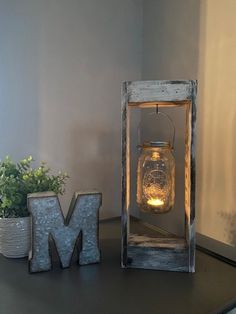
[19,179]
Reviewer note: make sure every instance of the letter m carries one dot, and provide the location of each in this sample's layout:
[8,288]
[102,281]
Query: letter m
[48,222]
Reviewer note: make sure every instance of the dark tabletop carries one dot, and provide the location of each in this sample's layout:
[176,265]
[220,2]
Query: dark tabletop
[107,289]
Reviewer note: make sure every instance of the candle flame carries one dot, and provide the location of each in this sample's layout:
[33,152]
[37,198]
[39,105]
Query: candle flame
[155,202]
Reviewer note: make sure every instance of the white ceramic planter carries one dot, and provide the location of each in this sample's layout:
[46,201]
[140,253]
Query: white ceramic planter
[15,236]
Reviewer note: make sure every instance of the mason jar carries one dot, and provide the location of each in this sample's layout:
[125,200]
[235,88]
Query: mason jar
[156,177]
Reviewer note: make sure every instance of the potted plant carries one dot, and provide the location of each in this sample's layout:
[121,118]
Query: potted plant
[16,181]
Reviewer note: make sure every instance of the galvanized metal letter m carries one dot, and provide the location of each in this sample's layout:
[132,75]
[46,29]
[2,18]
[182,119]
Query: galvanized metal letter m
[48,222]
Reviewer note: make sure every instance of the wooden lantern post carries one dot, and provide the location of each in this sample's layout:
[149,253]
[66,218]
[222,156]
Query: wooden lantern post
[171,253]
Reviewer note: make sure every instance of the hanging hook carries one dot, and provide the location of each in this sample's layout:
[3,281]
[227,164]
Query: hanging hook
[160,113]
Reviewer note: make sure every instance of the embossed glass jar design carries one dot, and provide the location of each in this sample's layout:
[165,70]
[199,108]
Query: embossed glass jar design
[156,177]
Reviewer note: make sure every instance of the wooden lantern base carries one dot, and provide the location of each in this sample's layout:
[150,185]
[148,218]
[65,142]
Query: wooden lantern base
[157,253]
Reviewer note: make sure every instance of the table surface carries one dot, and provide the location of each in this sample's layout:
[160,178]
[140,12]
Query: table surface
[107,289]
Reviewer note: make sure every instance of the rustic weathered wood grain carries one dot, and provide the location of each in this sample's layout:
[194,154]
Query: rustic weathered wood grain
[192,235]
[124,187]
[140,91]
[147,241]
[190,176]
[158,258]
[169,253]
[153,104]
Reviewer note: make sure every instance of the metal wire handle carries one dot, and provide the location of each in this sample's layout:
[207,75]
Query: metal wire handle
[158,112]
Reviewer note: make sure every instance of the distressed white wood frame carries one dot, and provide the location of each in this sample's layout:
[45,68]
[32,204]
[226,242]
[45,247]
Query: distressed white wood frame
[173,254]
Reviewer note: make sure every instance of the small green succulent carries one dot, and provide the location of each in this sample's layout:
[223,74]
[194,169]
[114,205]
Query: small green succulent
[19,179]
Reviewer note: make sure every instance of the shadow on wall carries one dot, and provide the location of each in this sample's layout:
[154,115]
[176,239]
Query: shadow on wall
[171,39]
[94,153]
[229,221]
[196,40]
[225,213]
[171,54]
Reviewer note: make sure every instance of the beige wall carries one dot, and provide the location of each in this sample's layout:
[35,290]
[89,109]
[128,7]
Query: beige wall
[217,121]
[189,39]
[61,68]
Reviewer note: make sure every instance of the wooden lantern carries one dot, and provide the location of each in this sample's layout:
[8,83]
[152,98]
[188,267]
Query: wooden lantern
[171,252]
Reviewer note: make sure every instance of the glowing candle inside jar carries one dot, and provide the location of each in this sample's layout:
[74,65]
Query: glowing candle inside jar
[155,202]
